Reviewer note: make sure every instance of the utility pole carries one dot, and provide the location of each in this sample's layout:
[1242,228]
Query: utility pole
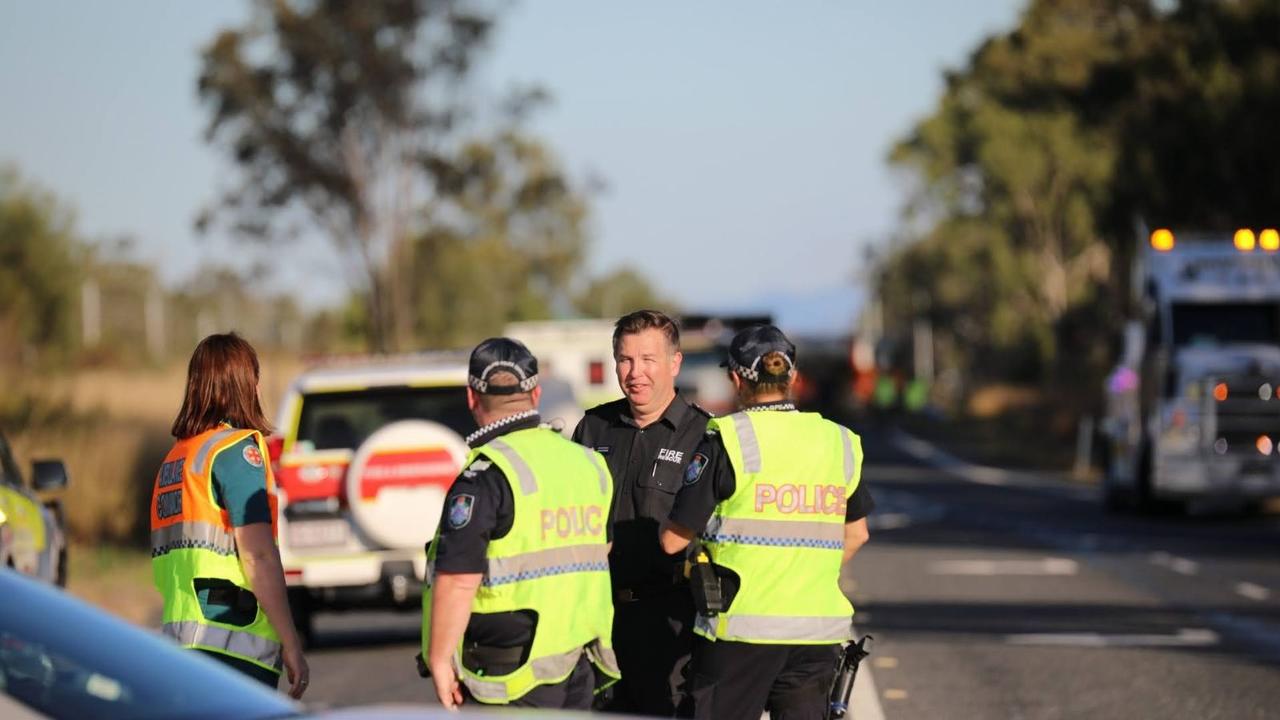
[90,312]
[153,316]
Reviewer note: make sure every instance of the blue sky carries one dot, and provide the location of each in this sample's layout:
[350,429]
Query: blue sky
[742,143]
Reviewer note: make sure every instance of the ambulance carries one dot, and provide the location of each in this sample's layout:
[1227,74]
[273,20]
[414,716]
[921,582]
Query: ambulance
[366,451]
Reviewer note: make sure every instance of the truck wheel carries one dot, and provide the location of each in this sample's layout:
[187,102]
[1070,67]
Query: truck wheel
[1142,499]
[61,575]
[1116,498]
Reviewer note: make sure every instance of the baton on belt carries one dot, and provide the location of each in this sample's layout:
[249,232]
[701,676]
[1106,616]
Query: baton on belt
[851,655]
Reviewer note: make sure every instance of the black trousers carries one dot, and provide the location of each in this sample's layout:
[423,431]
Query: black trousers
[574,693]
[653,639]
[739,681]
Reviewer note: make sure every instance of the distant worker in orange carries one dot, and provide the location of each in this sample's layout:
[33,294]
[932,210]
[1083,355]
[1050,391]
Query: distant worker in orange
[213,524]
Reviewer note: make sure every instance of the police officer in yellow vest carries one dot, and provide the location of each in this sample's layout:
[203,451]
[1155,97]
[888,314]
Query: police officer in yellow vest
[519,609]
[213,523]
[772,496]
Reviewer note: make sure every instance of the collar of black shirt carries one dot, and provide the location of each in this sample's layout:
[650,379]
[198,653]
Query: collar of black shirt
[673,415]
[495,430]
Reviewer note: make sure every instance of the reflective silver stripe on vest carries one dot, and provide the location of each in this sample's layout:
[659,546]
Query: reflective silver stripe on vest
[528,485]
[776,533]
[591,458]
[192,534]
[195,634]
[545,563]
[747,441]
[546,670]
[604,658]
[203,453]
[848,454]
[782,628]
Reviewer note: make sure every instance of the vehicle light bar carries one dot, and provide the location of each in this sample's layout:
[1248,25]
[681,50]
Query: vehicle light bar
[1245,240]
[1162,240]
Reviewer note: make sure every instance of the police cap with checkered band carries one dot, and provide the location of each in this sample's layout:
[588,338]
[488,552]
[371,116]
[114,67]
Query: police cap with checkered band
[751,345]
[498,355]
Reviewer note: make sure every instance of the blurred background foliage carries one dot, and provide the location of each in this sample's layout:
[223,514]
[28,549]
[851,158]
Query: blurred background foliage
[353,123]
[1029,175]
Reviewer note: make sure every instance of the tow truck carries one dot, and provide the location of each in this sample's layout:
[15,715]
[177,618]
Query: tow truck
[1193,405]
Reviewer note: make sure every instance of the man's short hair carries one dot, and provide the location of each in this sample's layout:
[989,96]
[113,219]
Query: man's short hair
[636,322]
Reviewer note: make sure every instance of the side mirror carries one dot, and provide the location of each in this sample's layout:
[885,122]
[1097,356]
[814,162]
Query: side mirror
[48,475]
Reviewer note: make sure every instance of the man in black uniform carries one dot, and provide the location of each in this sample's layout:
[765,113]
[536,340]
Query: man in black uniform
[647,438]
[480,509]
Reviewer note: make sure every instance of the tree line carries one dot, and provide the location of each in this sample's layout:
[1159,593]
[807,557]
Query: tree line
[355,122]
[1029,176]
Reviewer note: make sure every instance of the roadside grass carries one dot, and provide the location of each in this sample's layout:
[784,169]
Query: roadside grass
[115,578]
[110,426]
[1004,426]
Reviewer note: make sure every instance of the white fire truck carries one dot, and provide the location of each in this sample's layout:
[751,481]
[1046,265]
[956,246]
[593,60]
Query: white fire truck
[1193,407]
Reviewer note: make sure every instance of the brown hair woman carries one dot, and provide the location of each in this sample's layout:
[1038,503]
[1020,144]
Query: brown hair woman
[213,523]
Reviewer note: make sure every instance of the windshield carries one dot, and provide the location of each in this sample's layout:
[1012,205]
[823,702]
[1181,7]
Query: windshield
[344,420]
[1224,324]
[64,659]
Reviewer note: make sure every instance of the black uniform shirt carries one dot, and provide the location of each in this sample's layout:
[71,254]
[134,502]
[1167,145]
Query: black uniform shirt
[648,465]
[714,481]
[478,509]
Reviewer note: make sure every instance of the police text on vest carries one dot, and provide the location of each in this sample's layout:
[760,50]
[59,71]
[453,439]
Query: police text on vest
[573,521]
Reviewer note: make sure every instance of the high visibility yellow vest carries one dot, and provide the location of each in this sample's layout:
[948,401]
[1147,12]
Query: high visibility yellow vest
[782,530]
[191,537]
[554,561]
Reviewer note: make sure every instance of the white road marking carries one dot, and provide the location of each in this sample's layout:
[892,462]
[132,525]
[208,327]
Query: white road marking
[888,521]
[1180,565]
[865,703]
[894,694]
[885,662]
[1047,566]
[1186,637]
[1253,592]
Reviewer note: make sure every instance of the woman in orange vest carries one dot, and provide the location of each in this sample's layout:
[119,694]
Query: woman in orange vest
[213,524]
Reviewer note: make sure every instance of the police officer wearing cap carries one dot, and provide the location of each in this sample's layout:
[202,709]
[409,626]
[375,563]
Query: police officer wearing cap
[774,498]
[524,528]
[647,437]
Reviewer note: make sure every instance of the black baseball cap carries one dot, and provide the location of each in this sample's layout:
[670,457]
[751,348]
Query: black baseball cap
[497,355]
[753,343]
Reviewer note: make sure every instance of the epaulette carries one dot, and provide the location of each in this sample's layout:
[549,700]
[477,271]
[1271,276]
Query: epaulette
[700,409]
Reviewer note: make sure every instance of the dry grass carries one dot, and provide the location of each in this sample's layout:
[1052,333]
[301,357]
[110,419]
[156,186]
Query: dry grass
[116,579]
[111,429]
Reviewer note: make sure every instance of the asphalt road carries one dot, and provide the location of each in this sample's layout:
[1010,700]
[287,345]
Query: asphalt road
[995,595]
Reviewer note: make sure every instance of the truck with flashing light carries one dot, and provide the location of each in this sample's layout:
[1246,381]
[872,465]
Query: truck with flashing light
[1193,405]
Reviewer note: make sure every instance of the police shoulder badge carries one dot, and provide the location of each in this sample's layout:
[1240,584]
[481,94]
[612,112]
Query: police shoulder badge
[252,455]
[460,510]
[696,466]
